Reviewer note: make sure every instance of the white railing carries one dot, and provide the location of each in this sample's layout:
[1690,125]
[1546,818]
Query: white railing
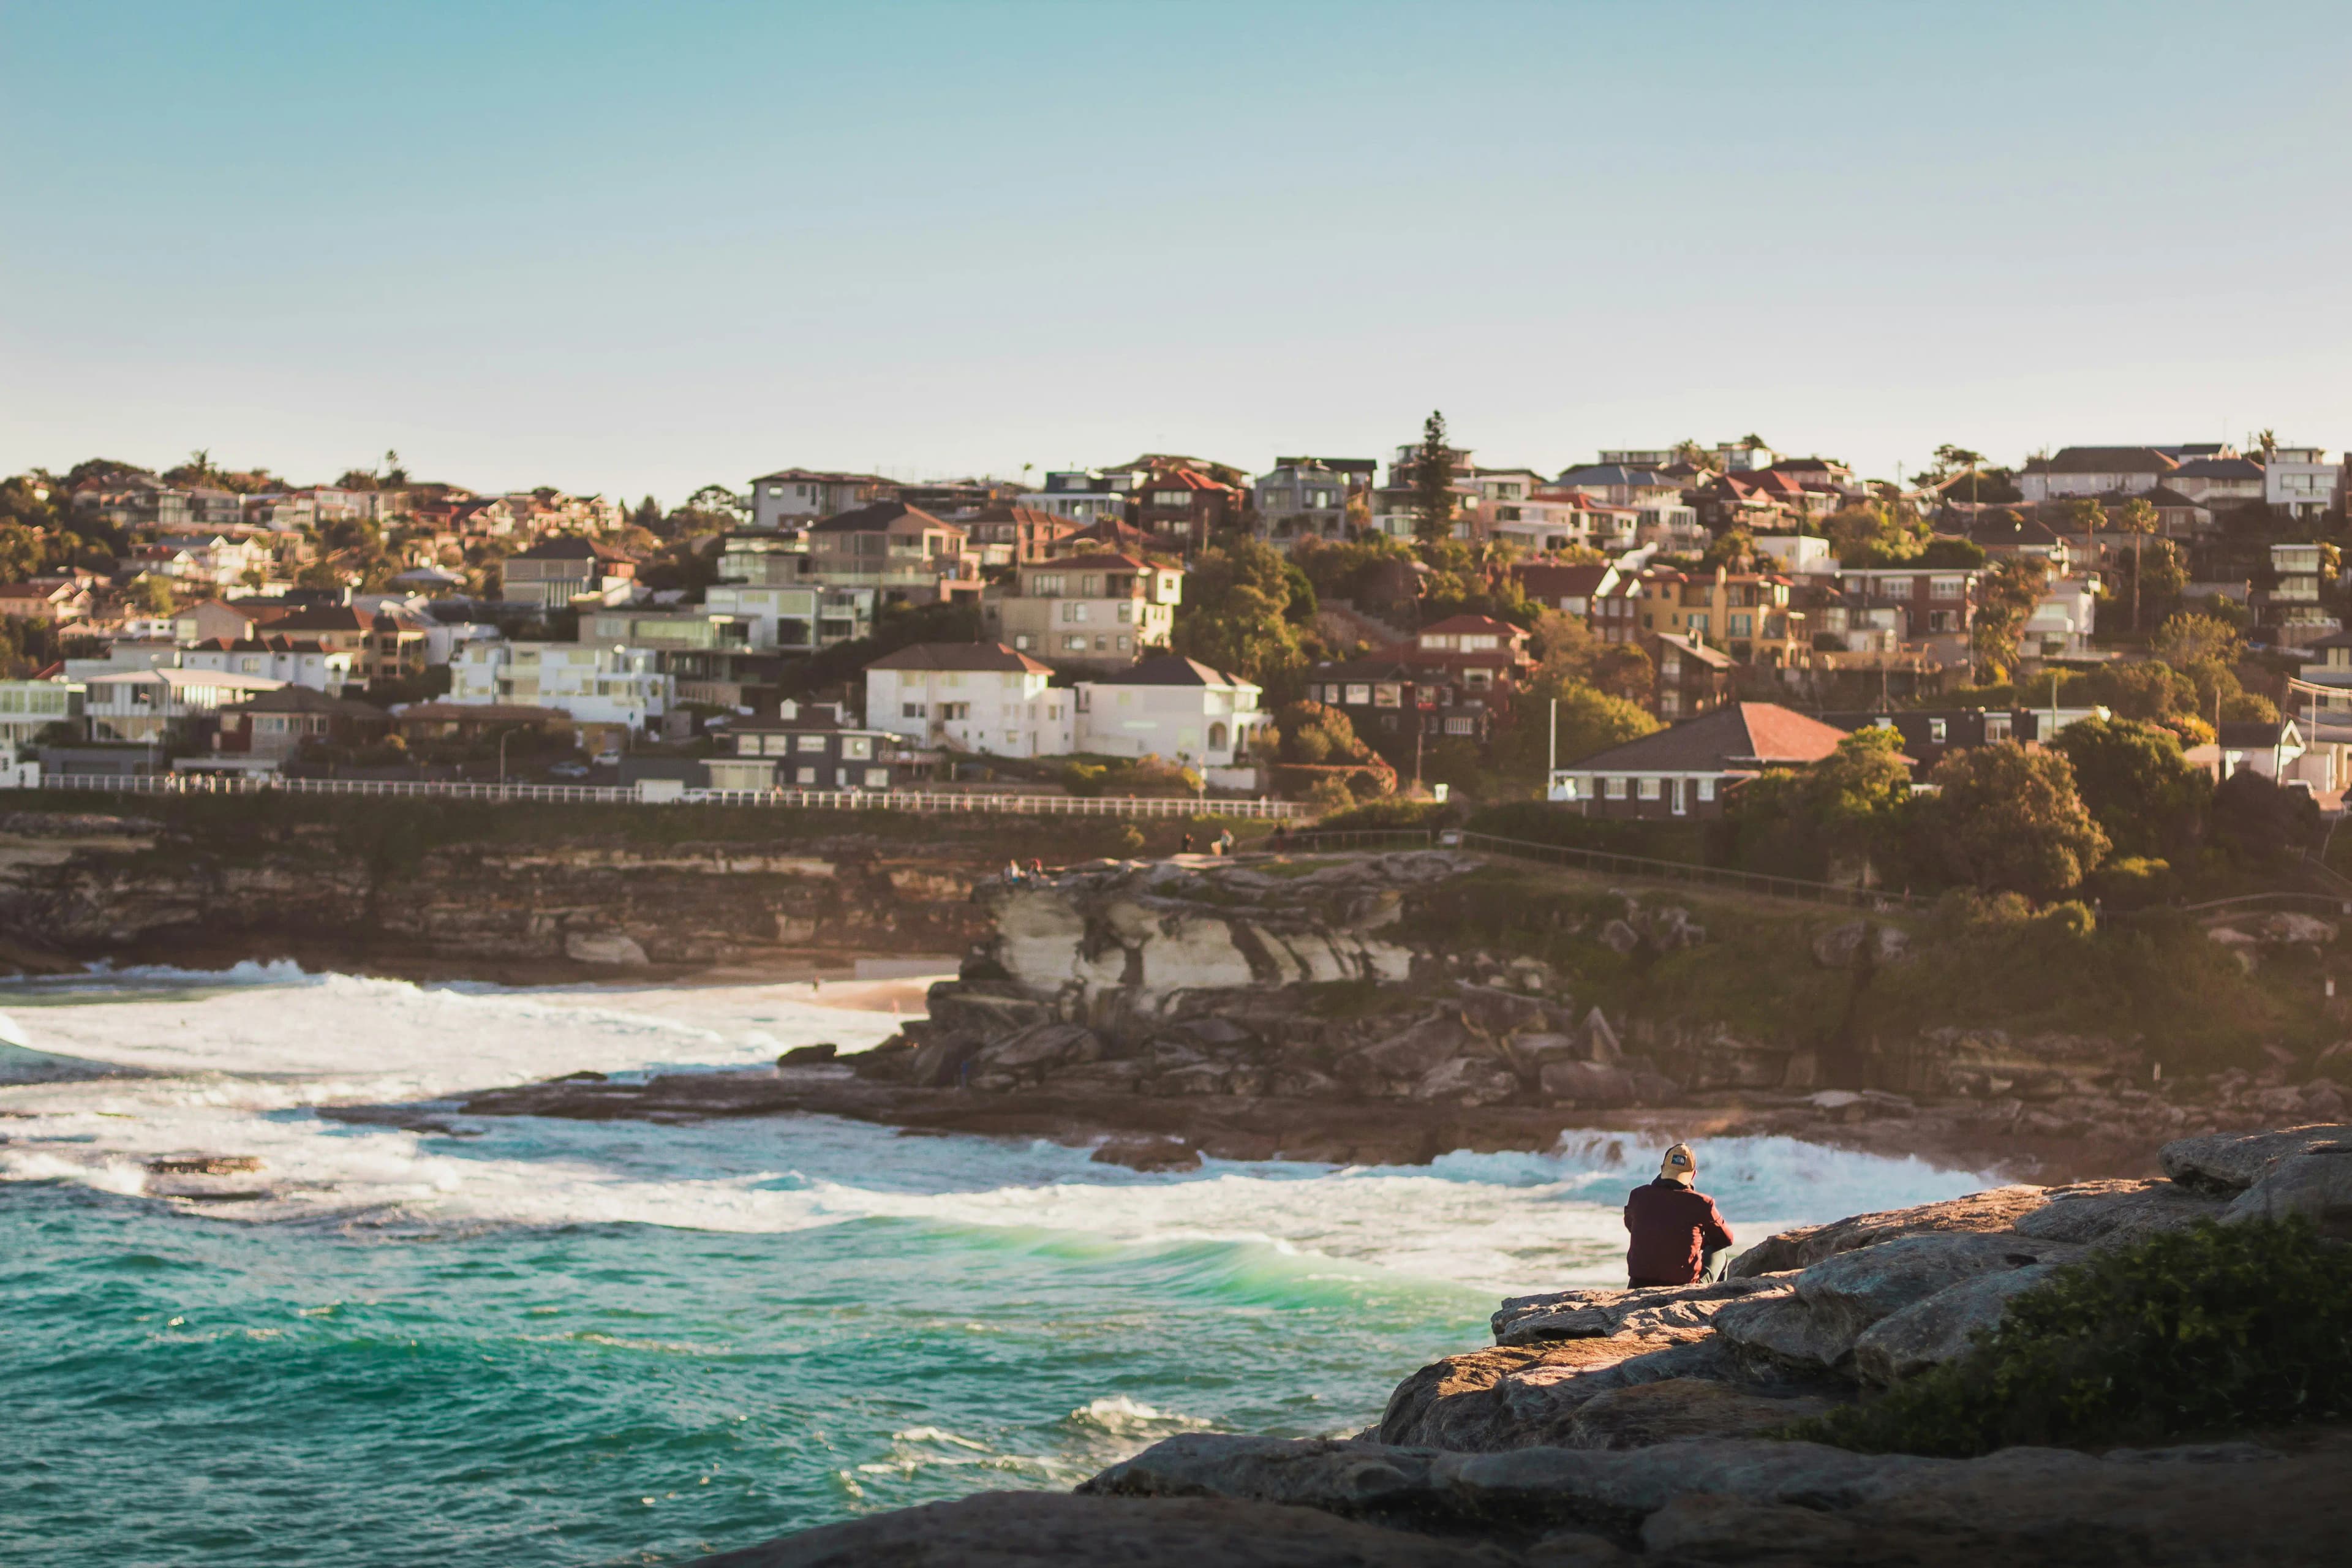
[928,800]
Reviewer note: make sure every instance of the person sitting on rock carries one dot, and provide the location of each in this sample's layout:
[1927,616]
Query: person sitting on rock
[1679,1236]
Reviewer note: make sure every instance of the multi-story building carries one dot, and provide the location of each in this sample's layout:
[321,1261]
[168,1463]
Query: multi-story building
[272,726]
[977,698]
[1549,520]
[1747,612]
[902,553]
[1621,484]
[28,707]
[2062,621]
[1932,607]
[2221,483]
[1304,497]
[555,572]
[1085,611]
[2093,470]
[791,496]
[1086,495]
[1006,534]
[2289,609]
[1477,653]
[794,619]
[1170,707]
[1183,507]
[807,746]
[2301,482]
[622,687]
[165,706]
[288,660]
[767,559]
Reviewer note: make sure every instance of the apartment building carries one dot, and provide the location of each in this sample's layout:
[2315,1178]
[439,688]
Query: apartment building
[902,553]
[792,497]
[1170,707]
[290,661]
[2301,482]
[595,684]
[1085,611]
[555,572]
[1306,498]
[796,619]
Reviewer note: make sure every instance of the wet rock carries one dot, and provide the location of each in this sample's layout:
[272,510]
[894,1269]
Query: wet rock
[1678,1408]
[1163,1153]
[2233,1161]
[1025,1530]
[1586,1314]
[808,1055]
[1998,1209]
[207,1165]
[892,1061]
[940,1061]
[1928,1334]
[1039,1048]
[2315,1184]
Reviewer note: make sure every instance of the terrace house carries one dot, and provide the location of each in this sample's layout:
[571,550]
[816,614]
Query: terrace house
[905,555]
[1085,610]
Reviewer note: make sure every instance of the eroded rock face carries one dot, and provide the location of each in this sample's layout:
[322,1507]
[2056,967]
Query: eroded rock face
[2315,1184]
[2117,1213]
[1678,1409]
[1525,1396]
[2231,1162]
[1933,1331]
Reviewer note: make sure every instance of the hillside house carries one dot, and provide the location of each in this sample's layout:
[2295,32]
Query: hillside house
[1691,768]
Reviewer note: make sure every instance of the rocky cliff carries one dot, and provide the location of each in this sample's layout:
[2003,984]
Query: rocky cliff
[133,890]
[1381,980]
[1618,1426]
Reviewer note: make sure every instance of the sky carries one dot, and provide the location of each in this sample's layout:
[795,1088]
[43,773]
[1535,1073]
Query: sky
[639,247]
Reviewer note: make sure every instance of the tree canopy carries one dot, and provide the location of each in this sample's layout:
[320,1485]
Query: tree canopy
[2009,820]
[2144,794]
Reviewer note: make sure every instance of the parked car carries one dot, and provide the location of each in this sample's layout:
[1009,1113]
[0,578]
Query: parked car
[568,771]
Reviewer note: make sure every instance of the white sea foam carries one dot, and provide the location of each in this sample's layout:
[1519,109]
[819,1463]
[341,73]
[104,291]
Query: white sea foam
[240,1065]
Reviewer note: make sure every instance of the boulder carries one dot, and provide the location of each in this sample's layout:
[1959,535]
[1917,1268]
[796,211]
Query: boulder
[940,1059]
[2117,1213]
[1123,1077]
[1148,1151]
[2233,1161]
[1040,1048]
[1468,1081]
[1779,1334]
[808,1055]
[1589,1085]
[1034,1529]
[1586,1314]
[1926,1333]
[1408,1053]
[2315,1184]
[602,947]
[1485,1401]
[983,1008]
[1676,1409]
[892,1061]
[1847,1293]
[1999,1209]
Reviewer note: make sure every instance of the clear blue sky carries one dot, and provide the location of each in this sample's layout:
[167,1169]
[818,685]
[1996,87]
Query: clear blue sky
[638,246]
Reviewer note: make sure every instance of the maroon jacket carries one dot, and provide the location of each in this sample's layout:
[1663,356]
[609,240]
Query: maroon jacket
[1674,1228]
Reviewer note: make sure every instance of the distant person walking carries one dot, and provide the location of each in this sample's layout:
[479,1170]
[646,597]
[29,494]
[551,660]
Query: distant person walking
[1679,1236]
[1225,842]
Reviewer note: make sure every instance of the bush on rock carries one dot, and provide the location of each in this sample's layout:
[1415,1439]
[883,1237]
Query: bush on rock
[2198,1331]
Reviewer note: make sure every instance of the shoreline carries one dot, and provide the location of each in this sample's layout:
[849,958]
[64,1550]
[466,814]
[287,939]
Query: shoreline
[1162,1133]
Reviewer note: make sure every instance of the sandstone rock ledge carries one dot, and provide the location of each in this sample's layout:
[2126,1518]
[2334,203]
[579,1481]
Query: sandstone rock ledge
[1618,1426]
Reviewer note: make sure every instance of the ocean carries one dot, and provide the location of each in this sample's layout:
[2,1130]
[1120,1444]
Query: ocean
[532,1341]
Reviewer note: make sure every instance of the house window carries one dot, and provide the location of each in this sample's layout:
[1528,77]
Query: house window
[910,710]
[804,775]
[1742,626]
[1124,640]
[1651,788]
[1896,587]
[1568,790]
[877,778]
[1461,726]
[1996,728]
[1045,585]
[1616,788]
[1021,641]
[858,748]
[1359,695]
[1707,789]
[955,711]
[1935,731]
[1073,643]
[808,742]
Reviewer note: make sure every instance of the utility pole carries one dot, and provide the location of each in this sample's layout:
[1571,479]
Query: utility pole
[1551,763]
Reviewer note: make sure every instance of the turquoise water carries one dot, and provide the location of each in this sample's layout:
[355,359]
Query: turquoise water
[528,1341]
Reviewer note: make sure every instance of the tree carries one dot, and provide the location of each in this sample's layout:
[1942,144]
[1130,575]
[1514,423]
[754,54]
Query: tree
[1245,609]
[2084,514]
[2144,794]
[394,473]
[648,515]
[2008,820]
[153,594]
[2137,518]
[1849,806]
[2187,640]
[1954,460]
[1961,554]
[1702,457]
[1433,482]
[2258,822]
[1567,654]
[2009,593]
[1589,721]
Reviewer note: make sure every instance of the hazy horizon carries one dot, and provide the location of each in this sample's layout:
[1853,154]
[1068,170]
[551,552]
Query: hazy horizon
[629,249]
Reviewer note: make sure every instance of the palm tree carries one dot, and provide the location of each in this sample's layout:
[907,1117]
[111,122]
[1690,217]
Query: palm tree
[2268,442]
[2137,518]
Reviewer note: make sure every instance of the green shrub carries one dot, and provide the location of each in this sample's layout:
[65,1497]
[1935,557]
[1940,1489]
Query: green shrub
[1393,813]
[2134,882]
[1084,779]
[2201,1331]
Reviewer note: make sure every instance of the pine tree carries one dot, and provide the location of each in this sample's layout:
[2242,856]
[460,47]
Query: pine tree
[1433,482]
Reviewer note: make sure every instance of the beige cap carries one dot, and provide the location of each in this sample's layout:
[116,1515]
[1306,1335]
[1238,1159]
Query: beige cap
[1678,1166]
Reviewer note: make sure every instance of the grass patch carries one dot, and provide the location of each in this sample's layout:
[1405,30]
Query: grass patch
[2190,1333]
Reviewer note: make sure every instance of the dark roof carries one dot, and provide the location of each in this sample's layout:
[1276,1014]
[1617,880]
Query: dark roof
[2220,468]
[302,700]
[1698,650]
[879,515]
[485,713]
[1453,625]
[1006,512]
[1999,531]
[338,618]
[569,547]
[966,656]
[1608,473]
[2341,639]
[2103,460]
[2165,496]
[1543,582]
[1739,735]
[2245,733]
[1171,669]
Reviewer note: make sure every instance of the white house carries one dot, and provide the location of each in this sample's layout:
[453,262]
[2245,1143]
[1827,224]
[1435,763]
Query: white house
[595,684]
[1170,707]
[2064,619]
[982,698]
[29,707]
[296,663]
[2095,471]
[2299,481]
[1798,554]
